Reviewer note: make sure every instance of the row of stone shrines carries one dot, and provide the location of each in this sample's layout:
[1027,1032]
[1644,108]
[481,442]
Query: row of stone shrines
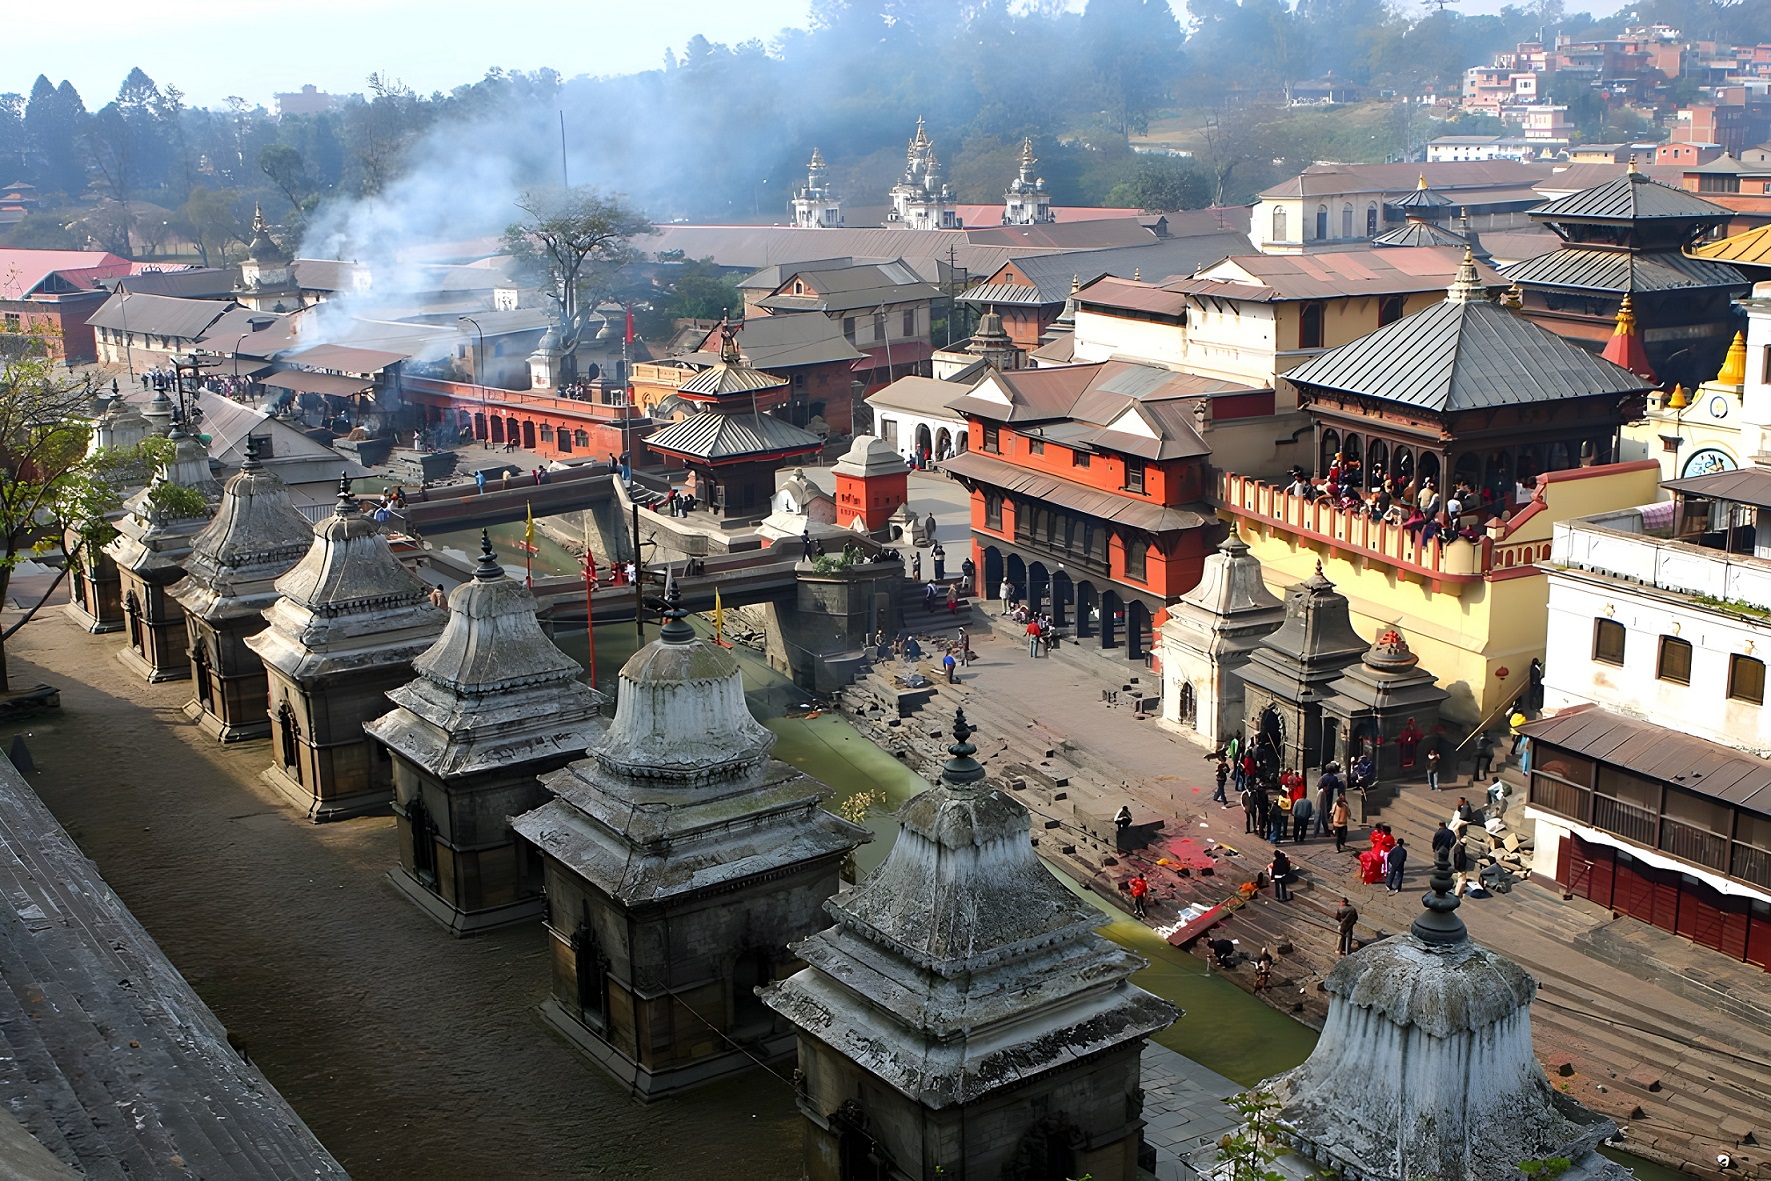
[960,1016]
[955,1013]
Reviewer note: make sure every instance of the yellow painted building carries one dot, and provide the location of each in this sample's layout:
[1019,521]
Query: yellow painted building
[1696,432]
[1474,612]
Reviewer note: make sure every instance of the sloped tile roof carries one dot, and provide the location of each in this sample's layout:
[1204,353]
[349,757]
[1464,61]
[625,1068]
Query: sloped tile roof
[1464,355]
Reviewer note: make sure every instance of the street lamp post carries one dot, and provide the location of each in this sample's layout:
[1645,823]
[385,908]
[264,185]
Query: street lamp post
[478,376]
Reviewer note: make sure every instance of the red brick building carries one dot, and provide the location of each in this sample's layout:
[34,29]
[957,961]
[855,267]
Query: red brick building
[48,295]
[1088,488]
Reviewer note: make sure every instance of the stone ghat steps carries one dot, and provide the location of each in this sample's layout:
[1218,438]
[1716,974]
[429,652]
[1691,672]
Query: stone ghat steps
[1683,968]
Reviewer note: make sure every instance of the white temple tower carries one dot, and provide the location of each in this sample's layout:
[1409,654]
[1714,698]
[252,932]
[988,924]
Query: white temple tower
[816,206]
[1025,202]
[920,200]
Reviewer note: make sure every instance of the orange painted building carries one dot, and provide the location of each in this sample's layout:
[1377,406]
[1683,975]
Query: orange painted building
[1088,486]
[557,428]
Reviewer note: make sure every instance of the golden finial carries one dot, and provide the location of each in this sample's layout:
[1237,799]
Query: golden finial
[1677,399]
[1075,283]
[1626,318]
[1734,365]
[1421,185]
[1633,169]
[1137,275]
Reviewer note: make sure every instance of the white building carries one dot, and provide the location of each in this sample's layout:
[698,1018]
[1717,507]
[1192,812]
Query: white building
[1025,202]
[912,415]
[1650,789]
[921,200]
[816,206]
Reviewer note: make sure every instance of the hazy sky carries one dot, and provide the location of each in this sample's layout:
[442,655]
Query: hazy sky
[215,48]
[212,49]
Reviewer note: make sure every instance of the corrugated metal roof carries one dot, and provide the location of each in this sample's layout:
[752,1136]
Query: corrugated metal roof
[344,358]
[159,315]
[1596,269]
[759,246]
[771,277]
[1656,752]
[1397,271]
[1123,510]
[1633,196]
[1104,234]
[1747,485]
[1009,294]
[722,438]
[1126,295]
[1333,179]
[919,395]
[1458,356]
[1415,232]
[304,382]
[726,380]
[1159,261]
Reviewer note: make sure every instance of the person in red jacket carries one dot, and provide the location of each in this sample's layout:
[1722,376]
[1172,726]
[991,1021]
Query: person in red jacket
[1033,637]
[1139,888]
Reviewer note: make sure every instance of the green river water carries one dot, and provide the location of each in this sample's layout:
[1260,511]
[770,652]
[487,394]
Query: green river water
[1224,1029]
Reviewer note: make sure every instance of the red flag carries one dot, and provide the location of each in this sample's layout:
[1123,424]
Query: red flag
[629,323]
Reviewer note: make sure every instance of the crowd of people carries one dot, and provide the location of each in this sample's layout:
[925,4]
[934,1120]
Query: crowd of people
[1416,505]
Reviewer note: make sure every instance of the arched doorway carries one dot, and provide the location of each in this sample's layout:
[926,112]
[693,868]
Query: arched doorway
[200,672]
[1189,706]
[1269,743]
[1331,447]
[529,434]
[1429,469]
[993,568]
[1038,583]
[1377,463]
[479,426]
[750,1017]
[424,844]
[1017,575]
[591,967]
[1112,618]
[1063,594]
[1088,609]
[513,431]
[289,745]
[1402,467]
[943,444]
[925,442]
[1137,629]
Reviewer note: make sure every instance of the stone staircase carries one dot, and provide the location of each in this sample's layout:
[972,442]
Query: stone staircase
[917,620]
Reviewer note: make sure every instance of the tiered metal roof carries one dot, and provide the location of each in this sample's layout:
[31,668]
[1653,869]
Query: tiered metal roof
[713,437]
[1634,196]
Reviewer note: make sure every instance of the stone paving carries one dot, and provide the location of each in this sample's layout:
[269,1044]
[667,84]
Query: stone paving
[1184,1111]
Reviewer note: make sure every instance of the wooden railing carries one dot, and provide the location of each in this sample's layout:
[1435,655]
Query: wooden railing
[468,396]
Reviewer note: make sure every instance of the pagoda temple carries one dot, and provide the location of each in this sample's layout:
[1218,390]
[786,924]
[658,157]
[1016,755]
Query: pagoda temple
[1628,237]
[495,706]
[731,446]
[153,539]
[1291,673]
[1425,1067]
[962,1018]
[229,580]
[681,860]
[345,630]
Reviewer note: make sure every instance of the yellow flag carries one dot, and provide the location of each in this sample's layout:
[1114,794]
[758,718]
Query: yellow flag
[529,525]
[719,616]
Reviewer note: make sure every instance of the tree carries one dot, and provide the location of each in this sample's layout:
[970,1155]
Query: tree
[573,242]
[54,119]
[41,230]
[42,448]
[1247,1153]
[210,217]
[1164,184]
[1135,49]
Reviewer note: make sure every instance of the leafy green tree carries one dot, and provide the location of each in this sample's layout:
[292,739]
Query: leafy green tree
[701,291]
[41,230]
[1247,1153]
[1164,184]
[53,120]
[1134,47]
[213,221]
[573,243]
[42,450]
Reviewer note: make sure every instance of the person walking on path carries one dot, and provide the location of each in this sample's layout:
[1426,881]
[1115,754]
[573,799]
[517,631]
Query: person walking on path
[965,649]
[1233,749]
[1394,863]
[1484,756]
[948,665]
[1328,790]
[968,574]
[1250,811]
[1033,638]
[1139,888]
[940,556]
[1338,822]
[915,563]
[1006,592]
[1346,916]
[1433,769]
[1301,813]
[1223,777]
[1460,865]
[1281,870]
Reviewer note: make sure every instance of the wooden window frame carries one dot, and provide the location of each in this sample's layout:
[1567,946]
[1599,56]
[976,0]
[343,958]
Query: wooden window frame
[1672,644]
[1737,661]
[1602,627]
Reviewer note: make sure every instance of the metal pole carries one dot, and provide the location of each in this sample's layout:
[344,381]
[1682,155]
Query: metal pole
[590,611]
[639,577]
[478,377]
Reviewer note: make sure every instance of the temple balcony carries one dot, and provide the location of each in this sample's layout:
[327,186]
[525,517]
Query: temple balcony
[1509,546]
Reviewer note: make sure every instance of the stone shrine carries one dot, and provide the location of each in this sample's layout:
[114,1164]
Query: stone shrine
[962,1018]
[153,540]
[230,579]
[495,706]
[348,624]
[1210,632]
[681,860]
[1291,673]
[1387,706]
[1425,1067]
[872,484]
